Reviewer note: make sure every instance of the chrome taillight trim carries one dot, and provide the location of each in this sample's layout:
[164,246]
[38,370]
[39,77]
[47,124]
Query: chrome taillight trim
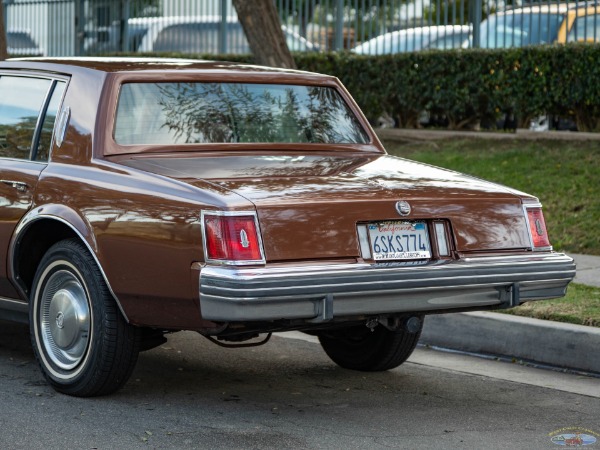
[228,262]
[363,240]
[537,205]
[441,237]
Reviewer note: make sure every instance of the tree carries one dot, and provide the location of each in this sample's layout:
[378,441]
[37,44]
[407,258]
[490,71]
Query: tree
[261,24]
[3,49]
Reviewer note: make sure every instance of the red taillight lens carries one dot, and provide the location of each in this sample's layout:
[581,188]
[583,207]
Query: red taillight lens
[232,238]
[537,228]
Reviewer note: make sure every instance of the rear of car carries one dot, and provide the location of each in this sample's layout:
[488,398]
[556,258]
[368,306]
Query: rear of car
[331,220]
[236,201]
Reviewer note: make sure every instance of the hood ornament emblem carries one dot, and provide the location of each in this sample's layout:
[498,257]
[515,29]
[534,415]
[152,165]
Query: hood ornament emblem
[403,208]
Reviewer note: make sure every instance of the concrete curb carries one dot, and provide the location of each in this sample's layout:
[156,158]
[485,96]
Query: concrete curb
[426,134]
[552,343]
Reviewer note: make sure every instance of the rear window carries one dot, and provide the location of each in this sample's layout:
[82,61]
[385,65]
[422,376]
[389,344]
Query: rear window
[515,29]
[197,113]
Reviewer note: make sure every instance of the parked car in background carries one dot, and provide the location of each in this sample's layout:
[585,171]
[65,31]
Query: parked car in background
[21,43]
[541,24]
[139,197]
[412,39]
[198,34]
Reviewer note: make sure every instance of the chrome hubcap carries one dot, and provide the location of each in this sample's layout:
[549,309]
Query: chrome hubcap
[65,319]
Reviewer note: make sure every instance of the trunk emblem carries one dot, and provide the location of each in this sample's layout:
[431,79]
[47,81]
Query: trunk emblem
[538,227]
[244,239]
[403,208]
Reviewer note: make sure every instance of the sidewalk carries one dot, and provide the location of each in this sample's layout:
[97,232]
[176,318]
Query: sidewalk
[541,341]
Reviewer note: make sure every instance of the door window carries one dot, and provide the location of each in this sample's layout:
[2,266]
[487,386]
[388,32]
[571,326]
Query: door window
[21,101]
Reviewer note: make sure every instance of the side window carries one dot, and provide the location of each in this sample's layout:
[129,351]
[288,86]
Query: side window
[586,28]
[21,101]
[43,149]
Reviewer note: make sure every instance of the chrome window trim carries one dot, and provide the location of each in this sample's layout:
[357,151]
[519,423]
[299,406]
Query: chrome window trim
[55,78]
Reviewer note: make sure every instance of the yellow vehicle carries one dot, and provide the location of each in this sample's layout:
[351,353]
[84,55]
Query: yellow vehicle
[541,24]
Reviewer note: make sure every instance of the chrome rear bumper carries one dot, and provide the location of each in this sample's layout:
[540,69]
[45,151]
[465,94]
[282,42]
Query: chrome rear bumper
[320,293]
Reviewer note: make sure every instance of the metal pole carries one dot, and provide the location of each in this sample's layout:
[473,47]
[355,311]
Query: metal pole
[79,27]
[476,6]
[223,28]
[4,14]
[339,26]
[125,13]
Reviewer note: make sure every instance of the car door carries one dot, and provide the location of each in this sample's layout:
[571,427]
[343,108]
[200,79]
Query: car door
[28,108]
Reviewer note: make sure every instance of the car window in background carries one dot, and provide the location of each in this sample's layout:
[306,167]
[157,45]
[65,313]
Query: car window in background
[389,43]
[200,38]
[187,113]
[586,28]
[200,35]
[22,101]
[43,150]
[519,29]
[21,43]
[453,40]
[136,32]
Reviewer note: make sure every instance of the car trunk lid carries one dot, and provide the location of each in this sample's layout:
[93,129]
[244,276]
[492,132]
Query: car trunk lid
[309,205]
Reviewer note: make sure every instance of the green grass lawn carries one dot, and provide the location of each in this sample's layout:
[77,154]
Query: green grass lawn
[580,306]
[565,176]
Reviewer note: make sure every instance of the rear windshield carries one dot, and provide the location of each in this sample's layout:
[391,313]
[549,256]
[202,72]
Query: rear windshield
[515,29]
[191,113]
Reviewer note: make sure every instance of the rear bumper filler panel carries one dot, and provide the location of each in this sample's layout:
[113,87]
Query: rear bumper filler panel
[320,293]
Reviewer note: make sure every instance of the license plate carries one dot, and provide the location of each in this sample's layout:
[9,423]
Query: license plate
[399,241]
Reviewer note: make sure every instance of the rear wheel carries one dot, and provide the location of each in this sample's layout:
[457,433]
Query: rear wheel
[360,348]
[80,338]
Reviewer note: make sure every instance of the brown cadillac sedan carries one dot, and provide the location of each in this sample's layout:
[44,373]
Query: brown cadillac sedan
[140,197]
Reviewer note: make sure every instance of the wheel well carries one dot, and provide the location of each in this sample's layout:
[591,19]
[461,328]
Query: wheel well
[33,244]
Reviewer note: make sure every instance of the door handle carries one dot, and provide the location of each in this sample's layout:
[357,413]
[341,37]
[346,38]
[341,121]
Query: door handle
[18,185]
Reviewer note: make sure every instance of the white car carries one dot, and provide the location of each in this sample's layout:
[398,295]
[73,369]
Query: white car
[198,34]
[412,39]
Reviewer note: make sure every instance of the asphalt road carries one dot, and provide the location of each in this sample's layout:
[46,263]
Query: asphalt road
[190,393]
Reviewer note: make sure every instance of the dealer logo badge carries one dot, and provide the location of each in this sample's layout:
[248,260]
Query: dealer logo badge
[403,208]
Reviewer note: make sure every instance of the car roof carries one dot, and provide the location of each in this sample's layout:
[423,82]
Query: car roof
[130,64]
[434,31]
[551,8]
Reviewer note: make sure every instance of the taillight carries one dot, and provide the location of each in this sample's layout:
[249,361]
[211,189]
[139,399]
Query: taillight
[537,228]
[232,239]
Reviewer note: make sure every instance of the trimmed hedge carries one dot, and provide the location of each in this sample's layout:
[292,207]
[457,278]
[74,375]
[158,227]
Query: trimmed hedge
[467,87]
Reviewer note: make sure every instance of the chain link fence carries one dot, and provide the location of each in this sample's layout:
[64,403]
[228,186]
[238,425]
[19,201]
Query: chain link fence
[90,27]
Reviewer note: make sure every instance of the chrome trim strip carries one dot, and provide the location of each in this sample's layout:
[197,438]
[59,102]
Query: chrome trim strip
[538,205]
[61,125]
[14,305]
[292,292]
[14,310]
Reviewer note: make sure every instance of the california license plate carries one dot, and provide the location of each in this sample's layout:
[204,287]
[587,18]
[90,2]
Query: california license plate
[399,241]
